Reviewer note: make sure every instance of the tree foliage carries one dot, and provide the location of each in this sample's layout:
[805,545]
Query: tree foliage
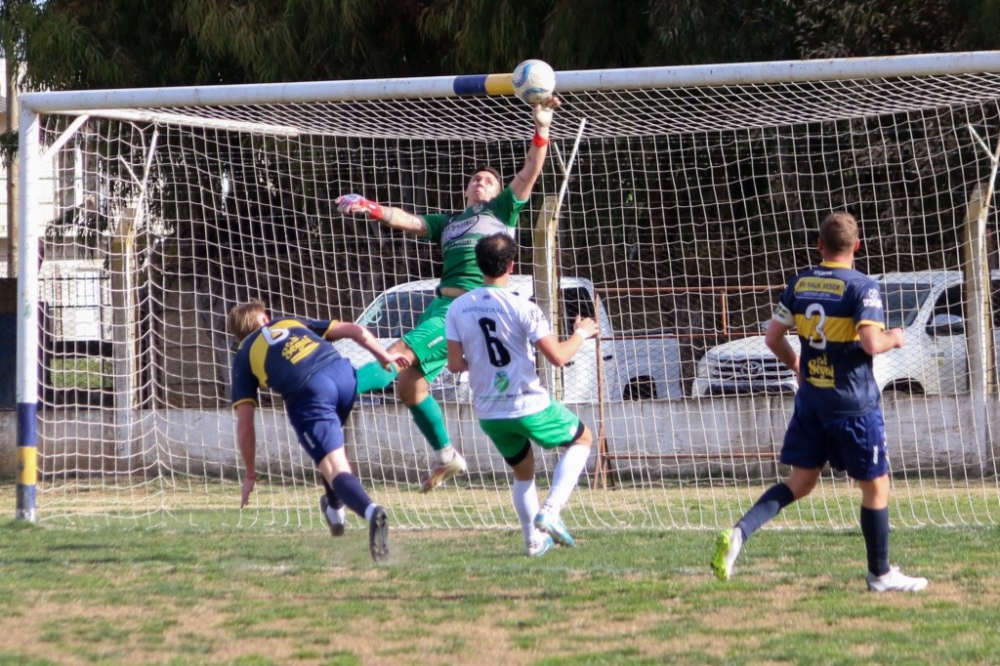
[73,44]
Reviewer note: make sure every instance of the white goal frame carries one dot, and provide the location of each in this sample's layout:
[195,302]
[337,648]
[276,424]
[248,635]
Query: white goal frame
[180,106]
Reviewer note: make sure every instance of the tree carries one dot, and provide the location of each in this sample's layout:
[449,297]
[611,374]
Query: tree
[77,44]
[493,36]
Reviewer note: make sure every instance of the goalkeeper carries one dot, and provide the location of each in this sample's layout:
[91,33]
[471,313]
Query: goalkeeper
[490,208]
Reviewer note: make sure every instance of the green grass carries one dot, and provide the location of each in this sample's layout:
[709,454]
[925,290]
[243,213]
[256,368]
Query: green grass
[244,596]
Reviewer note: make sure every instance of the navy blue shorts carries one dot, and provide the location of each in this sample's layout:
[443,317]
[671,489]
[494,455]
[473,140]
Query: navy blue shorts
[852,444]
[319,411]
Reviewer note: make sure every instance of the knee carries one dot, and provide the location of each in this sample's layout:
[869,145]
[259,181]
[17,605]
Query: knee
[411,387]
[802,482]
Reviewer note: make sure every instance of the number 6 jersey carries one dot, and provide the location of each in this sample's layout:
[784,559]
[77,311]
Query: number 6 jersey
[497,330]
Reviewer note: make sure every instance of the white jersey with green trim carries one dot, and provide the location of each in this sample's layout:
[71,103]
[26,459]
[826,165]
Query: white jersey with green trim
[498,329]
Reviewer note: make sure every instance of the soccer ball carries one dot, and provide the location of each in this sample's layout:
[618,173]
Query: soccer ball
[534,81]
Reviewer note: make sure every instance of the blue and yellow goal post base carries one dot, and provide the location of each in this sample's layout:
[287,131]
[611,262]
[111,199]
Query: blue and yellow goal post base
[27,461]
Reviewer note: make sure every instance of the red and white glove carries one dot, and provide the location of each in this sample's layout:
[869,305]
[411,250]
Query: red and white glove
[355,203]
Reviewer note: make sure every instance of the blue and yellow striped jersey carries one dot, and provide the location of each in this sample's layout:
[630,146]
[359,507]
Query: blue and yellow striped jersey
[282,356]
[827,304]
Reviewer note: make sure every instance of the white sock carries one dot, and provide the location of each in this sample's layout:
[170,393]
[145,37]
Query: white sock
[335,516]
[526,504]
[369,510]
[566,476]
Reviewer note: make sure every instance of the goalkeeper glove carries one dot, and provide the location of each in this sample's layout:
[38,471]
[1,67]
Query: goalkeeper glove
[542,114]
[355,203]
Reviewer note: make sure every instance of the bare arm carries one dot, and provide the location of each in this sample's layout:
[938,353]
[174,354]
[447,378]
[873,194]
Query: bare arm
[559,353]
[246,440]
[874,340]
[364,338]
[774,338]
[394,218]
[525,179]
[456,357]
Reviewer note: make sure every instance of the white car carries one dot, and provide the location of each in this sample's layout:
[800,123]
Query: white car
[926,304]
[633,367]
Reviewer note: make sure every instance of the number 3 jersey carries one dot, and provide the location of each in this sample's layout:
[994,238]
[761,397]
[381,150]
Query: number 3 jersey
[281,355]
[827,304]
[498,329]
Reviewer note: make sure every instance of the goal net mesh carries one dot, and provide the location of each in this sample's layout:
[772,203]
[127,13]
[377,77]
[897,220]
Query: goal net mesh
[687,210]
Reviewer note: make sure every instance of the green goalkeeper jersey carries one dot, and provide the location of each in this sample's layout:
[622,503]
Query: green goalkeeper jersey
[458,233]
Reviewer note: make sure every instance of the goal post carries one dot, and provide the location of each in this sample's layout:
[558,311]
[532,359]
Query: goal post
[696,195]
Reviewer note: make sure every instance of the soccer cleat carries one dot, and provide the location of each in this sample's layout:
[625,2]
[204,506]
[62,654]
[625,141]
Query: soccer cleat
[727,548]
[895,580]
[539,546]
[334,517]
[555,528]
[378,534]
[445,471]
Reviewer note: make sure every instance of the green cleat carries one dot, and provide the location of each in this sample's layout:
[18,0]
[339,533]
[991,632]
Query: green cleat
[727,548]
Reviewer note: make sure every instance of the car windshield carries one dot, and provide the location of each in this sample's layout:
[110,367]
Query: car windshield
[394,314]
[902,301]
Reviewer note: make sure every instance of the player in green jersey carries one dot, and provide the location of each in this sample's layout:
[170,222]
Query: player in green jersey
[490,208]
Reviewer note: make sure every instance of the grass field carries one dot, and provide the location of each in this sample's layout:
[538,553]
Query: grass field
[248,596]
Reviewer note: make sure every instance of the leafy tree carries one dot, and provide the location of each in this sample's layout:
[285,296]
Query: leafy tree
[77,44]
[880,27]
[493,36]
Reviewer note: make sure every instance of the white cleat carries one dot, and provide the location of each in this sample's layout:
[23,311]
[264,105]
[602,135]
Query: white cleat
[895,580]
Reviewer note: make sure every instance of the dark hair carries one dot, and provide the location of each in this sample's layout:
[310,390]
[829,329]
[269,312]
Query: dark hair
[488,169]
[839,232]
[494,254]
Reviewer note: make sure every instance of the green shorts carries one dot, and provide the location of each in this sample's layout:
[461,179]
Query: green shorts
[553,426]
[427,338]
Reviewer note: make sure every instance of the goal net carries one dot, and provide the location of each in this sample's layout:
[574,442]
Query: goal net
[695,194]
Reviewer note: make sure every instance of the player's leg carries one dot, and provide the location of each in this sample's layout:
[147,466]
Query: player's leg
[337,471]
[510,440]
[332,508]
[428,344]
[804,449]
[555,427]
[881,576]
[861,452]
[317,413]
[373,377]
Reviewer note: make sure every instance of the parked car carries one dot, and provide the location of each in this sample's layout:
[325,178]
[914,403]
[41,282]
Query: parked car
[633,367]
[927,305]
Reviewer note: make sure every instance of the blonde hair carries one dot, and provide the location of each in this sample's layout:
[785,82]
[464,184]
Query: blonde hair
[839,232]
[243,319]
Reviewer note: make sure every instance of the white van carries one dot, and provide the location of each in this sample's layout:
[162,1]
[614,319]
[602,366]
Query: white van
[926,304]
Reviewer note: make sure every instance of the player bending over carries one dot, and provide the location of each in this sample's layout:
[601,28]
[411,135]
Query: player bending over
[317,385]
[488,210]
[491,332]
[838,314]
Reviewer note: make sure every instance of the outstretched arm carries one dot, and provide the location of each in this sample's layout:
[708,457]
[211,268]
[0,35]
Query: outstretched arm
[364,337]
[535,159]
[394,218]
[246,439]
